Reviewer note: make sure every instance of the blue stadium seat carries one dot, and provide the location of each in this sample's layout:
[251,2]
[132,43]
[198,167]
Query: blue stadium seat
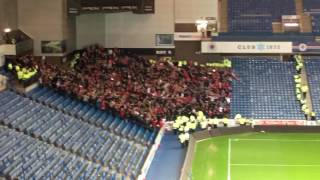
[61,133]
[311,6]
[23,157]
[257,16]
[312,65]
[315,21]
[266,89]
[83,111]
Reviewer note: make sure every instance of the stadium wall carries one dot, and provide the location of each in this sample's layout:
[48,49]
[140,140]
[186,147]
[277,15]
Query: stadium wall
[46,20]
[69,28]
[8,15]
[41,20]
[128,30]
[191,10]
[90,30]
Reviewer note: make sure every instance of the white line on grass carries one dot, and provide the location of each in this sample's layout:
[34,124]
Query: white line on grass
[280,140]
[279,165]
[229,159]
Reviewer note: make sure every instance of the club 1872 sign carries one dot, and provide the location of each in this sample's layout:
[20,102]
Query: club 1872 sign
[246,47]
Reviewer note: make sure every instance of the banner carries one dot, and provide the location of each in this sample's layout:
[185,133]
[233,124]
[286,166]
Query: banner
[53,47]
[73,7]
[310,47]
[246,47]
[267,122]
[187,36]
[112,6]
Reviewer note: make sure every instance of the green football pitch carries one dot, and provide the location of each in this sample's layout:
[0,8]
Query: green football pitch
[258,156]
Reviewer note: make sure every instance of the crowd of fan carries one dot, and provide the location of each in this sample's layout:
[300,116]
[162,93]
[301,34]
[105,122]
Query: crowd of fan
[186,125]
[302,89]
[24,68]
[146,90]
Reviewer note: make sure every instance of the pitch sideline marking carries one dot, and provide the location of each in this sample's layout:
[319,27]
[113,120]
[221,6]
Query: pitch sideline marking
[279,165]
[229,159]
[280,140]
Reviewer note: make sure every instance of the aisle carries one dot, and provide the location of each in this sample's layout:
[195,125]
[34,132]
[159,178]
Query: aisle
[168,161]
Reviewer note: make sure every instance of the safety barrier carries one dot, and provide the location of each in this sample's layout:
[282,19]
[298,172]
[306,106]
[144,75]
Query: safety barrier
[268,122]
[151,155]
[3,82]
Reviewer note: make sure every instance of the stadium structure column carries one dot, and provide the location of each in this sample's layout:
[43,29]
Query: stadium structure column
[2,60]
[304,81]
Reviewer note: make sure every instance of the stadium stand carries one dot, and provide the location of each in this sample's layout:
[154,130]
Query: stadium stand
[311,6]
[23,157]
[91,114]
[312,65]
[265,89]
[315,18]
[257,16]
[251,24]
[135,111]
[123,154]
[143,90]
[252,36]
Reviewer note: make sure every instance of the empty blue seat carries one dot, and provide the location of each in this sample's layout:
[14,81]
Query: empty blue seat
[102,138]
[313,72]
[257,16]
[311,6]
[23,157]
[265,89]
[82,110]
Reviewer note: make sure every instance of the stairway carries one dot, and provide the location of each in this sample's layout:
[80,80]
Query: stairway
[306,25]
[304,80]
[305,20]
[223,15]
[299,7]
[277,27]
